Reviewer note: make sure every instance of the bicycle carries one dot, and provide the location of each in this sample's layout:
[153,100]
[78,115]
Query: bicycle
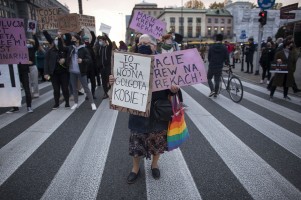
[232,84]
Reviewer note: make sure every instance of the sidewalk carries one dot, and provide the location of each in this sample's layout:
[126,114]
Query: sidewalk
[256,78]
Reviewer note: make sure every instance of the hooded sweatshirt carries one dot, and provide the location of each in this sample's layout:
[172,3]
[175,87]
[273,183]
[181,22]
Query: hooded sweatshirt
[217,56]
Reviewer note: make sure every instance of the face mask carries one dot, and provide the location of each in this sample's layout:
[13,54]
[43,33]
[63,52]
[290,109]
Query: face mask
[29,45]
[101,43]
[87,43]
[173,37]
[145,49]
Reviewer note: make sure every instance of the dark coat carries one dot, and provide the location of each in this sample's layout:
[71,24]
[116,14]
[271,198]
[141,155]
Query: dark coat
[291,64]
[32,56]
[249,52]
[103,54]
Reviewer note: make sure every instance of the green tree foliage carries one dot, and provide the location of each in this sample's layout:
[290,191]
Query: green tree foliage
[216,5]
[194,4]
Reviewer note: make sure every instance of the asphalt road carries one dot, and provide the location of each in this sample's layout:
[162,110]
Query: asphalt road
[250,150]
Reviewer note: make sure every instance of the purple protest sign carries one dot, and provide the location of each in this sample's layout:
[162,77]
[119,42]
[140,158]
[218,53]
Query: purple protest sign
[178,68]
[13,48]
[144,23]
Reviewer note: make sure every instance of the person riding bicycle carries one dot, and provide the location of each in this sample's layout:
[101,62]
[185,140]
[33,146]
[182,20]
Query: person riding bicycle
[217,56]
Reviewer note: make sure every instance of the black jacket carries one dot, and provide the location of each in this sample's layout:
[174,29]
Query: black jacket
[103,54]
[217,56]
[31,54]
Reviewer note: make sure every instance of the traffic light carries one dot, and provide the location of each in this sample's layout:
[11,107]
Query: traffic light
[263,17]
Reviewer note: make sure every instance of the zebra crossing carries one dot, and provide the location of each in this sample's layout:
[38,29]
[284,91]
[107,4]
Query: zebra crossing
[250,150]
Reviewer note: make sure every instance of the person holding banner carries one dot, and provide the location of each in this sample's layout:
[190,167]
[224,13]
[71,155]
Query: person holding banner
[287,56]
[103,56]
[148,135]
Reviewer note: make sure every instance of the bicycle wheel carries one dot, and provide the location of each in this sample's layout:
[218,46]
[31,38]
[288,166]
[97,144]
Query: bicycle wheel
[235,89]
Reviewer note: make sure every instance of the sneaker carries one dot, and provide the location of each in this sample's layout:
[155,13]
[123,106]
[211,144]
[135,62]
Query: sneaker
[261,81]
[86,98]
[80,93]
[271,98]
[55,107]
[35,95]
[268,82]
[29,109]
[67,105]
[215,95]
[287,98]
[211,94]
[105,96]
[93,106]
[74,106]
[14,110]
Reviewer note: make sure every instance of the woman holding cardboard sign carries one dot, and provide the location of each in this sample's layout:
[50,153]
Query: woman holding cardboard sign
[287,56]
[148,135]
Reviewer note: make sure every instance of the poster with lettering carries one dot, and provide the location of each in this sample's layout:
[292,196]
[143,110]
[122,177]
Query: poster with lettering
[31,26]
[87,21]
[47,18]
[69,23]
[10,89]
[132,90]
[144,23]
[13,48]
[178,68]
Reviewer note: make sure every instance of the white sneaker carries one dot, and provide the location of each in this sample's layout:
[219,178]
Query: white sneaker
[261,81]
[93,106]
[29,109]
[74,106]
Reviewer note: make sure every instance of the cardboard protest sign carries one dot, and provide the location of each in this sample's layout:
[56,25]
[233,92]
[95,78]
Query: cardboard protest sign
[69,23]
[105,28]
[13,48]
[178,68]
[87,21]
[10,89]
[47,18]
[132,90]
[31,26]
[144,23]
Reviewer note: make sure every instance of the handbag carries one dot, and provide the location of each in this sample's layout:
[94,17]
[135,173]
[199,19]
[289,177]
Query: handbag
[177,132]
[162,110]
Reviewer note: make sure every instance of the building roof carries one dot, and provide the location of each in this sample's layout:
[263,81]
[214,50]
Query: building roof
[180,10]
[220,12]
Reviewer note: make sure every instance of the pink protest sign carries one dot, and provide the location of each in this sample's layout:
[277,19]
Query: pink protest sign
[178,68]
[13,48]
[144,23]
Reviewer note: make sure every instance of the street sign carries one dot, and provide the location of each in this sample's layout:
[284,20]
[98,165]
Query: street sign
[265,4]
[287,15]
[288,8]
[243,35]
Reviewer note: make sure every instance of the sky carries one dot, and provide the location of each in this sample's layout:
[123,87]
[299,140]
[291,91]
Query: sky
[112,12]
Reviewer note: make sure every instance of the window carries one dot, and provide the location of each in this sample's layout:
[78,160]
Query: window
[181,19]
[222,21]
[189,20]
[229,21]
[155,13]
[215,30]
[149,13]
[209,20]
[216,20]
[181,30]
[198,21]
[209,30]
[172,21]
[228,31]
[172,28]
[198,31]
[222,30]
[189,31]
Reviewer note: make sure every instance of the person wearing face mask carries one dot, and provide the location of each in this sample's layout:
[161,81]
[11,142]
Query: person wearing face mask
[148,136]
[92,69]
[103,59]
[134,48]
[78,59]
[24,72]
[288,56]
[56,70]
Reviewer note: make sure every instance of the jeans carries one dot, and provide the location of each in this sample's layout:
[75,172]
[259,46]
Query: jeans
[60,80]
[24,79]
[217,77]
[83,80]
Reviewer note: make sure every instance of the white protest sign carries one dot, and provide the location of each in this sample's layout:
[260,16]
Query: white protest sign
[105,28]
[31,26]
[132,84]
[10,90]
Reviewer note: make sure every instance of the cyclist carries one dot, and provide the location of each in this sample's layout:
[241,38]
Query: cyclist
[217,56]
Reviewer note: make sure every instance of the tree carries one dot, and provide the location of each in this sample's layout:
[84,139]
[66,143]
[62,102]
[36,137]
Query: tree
[194,4]
[216,5]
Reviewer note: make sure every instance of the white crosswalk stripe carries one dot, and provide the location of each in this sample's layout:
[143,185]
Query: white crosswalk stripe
[83,172]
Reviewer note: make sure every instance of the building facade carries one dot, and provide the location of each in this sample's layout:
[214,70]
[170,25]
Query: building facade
[245,19]
[27,9]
